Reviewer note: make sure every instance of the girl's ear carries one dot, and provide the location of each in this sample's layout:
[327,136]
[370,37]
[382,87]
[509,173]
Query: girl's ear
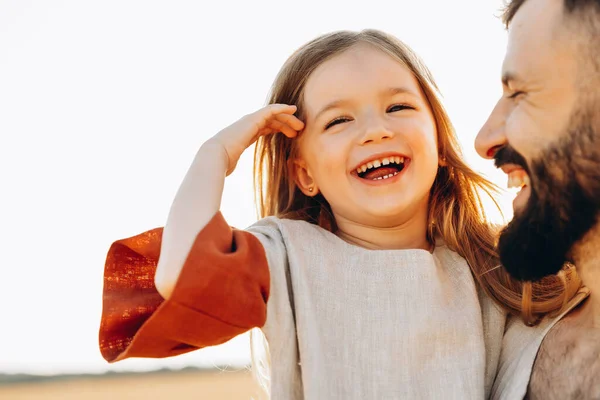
[304,179]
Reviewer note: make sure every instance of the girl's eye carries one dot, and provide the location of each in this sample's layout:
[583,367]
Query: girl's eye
[399,107]
[337,121]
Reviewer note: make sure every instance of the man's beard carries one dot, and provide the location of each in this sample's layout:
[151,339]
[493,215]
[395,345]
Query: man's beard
[564,204]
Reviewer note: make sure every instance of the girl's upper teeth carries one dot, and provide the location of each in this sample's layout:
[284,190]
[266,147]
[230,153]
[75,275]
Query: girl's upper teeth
[379,163]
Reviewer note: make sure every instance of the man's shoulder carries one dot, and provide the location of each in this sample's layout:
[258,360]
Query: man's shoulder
[568,362]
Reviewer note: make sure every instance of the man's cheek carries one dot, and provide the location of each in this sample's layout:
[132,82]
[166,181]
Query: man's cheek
[520,138]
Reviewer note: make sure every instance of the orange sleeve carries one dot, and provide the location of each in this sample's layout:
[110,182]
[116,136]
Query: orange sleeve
[221,292]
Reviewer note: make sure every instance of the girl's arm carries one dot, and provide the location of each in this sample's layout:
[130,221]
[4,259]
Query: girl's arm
[197,201]
[199,196]
[198,282]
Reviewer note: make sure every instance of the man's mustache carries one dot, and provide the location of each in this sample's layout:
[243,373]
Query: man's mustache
[508,155]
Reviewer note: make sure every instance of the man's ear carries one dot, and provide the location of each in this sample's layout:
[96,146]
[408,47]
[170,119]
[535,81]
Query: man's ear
[303,178]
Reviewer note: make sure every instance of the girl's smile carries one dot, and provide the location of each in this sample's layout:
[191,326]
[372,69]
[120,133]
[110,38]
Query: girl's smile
[381,169]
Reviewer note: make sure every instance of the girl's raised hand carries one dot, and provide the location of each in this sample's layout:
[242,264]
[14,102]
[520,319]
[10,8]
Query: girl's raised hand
[273,118]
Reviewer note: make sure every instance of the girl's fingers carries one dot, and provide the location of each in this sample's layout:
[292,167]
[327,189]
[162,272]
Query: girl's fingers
[273,109]
[263,117]
[277,118]
[290,120]
[287,108]
[277,126]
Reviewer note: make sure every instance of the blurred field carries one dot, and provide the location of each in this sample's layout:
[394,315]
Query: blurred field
[181,385]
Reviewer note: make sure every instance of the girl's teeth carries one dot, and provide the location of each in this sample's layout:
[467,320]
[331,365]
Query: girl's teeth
[378,163]
[386,176]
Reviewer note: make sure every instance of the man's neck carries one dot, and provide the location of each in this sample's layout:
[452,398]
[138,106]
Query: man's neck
[586,255]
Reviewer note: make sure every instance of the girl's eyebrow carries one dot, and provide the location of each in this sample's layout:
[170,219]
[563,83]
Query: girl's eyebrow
[333,104]
[400,90]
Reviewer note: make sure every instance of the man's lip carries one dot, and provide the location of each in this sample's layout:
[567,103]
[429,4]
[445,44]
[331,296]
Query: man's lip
[508,168]
[379,156]
[520,201]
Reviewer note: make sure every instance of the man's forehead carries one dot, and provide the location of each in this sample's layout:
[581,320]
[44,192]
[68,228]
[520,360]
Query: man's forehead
[531,36]
[538,14]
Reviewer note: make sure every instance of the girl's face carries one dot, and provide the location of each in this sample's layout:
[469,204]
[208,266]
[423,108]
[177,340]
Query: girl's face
[370,141]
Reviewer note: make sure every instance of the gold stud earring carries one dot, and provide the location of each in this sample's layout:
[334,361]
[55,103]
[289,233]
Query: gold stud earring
[310,189]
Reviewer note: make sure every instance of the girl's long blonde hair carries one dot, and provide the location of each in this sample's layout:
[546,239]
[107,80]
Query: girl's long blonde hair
[456,213]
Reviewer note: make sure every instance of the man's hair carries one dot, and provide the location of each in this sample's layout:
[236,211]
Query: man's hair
[512,6]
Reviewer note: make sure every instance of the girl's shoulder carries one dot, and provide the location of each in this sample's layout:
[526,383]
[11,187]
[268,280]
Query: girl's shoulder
[447,255]
[283,223]
[286,230]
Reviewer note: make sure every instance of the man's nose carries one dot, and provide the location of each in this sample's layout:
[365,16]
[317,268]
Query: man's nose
[491,136]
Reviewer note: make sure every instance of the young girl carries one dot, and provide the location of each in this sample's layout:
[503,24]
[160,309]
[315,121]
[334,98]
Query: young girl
[373,274]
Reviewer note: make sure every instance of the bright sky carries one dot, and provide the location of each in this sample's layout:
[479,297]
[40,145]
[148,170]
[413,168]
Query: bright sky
[103,105]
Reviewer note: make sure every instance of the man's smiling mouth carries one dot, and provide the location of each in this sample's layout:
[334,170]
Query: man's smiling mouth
[519,179]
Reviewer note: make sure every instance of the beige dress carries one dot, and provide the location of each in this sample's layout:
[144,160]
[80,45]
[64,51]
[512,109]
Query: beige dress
[342,322]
